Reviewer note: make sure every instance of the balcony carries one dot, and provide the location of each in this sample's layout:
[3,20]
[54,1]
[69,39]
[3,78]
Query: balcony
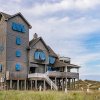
[63,74]
[65,59]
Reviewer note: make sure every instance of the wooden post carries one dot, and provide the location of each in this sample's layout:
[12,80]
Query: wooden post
[69,83]
[10,84]
[55,80]
[62,84]
[17,84]
[78,82]
[21,84]
[51,85]
[45,68]
[66,85]
[36,84]
[44,85]
[31,84]
[66,82]
[59,84]
[25,84]
[74,83]
[5,85]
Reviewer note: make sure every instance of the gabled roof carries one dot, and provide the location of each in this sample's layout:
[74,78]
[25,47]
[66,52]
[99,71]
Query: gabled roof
[73,66]
[51,52]
[34,41]
[59,63]
[7,17]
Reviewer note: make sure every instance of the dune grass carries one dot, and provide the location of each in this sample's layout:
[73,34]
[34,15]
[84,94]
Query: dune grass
[48,95]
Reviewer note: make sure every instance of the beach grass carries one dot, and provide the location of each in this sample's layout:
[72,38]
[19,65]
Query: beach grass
[48,95]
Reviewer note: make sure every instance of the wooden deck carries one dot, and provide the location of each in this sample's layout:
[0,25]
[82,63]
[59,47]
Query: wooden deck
[63,74]
[55,74]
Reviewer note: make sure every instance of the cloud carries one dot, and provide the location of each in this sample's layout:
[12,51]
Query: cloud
[48,8]
[66,27]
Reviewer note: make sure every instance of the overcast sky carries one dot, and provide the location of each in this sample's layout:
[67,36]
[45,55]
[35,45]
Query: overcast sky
[70,27]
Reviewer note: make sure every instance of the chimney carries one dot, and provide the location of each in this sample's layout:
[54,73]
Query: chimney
[35,36]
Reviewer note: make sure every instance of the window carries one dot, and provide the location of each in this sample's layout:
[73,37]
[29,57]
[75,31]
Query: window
[49,68]
[42,56]
[18,67]
[0,67]
[18,27]
[18,53]
[51,60]
[18,40]
[39,55]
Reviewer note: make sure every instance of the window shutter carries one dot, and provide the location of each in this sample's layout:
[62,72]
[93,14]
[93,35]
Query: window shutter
[51,60]
[18,53]
[18,40]
[18,67]
[42,56]
[36,55]
[14,26]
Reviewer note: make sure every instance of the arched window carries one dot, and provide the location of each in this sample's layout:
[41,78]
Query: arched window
[18,53]
[18,40]
[18,67]
[51,60]
[39,55]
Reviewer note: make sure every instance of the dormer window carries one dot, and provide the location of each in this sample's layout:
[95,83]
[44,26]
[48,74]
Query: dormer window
[52,60]
[39,55]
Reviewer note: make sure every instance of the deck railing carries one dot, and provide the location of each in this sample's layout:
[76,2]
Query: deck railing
[62,74]
[44,76]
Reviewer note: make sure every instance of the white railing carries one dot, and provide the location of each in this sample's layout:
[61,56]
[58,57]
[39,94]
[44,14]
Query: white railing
[51,83]
[41,75]
[48,80]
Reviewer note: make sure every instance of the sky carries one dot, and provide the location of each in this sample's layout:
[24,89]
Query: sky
[70,27]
